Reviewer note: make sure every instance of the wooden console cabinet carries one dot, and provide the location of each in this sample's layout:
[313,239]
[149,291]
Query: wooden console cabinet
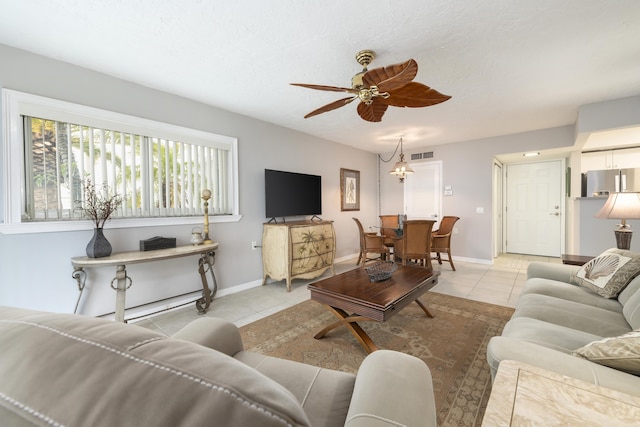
[300,249]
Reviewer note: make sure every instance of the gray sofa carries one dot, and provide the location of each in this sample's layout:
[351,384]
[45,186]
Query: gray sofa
[60,369]
[554,318]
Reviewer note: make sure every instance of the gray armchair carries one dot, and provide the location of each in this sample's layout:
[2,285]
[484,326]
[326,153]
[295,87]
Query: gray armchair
[72,370]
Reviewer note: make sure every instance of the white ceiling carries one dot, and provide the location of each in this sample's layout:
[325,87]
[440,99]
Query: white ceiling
[509,65]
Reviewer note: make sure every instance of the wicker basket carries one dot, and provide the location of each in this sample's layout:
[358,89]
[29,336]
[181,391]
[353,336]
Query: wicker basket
[381,270]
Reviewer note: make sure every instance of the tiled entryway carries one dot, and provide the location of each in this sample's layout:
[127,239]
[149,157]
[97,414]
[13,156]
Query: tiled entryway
[500,283]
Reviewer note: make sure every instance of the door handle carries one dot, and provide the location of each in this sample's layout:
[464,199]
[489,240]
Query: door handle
[555,214]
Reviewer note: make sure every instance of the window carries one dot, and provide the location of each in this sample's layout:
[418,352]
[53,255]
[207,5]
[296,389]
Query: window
[51,148]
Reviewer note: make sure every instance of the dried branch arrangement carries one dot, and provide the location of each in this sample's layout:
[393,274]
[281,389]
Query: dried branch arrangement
[99,205]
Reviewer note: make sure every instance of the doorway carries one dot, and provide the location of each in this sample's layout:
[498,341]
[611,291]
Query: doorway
[423,192]
[498,206]
[534,208]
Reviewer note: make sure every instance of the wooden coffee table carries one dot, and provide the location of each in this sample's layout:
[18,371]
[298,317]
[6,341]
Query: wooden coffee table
[353,292]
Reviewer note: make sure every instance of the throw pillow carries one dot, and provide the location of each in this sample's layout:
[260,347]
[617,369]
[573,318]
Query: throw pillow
[622,352]
[608,273]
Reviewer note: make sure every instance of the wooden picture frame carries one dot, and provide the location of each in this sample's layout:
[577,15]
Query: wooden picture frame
[349,190]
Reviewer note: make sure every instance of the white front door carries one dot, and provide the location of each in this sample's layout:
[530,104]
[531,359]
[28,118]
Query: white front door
[423,192]
[534,208]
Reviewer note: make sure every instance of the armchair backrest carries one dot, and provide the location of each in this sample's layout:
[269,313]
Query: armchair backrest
[361,231]
[446,225]
[415,243]
[442,236]
[416,238]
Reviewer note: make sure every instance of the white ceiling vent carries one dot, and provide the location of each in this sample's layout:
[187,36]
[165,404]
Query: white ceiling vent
[418,156]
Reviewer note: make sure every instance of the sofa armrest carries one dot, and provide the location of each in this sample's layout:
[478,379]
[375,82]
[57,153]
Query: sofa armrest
[506,348]
[214,333]
[546,270]
[392,387]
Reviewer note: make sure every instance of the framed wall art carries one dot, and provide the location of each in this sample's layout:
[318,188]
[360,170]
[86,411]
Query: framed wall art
[349,190]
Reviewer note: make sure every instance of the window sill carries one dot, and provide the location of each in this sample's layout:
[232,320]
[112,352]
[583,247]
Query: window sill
[62,226]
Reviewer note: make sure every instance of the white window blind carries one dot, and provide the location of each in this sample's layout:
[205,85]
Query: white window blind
[50,148]
[154,176]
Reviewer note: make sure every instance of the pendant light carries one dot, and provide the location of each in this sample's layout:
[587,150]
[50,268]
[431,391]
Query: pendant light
[401,168]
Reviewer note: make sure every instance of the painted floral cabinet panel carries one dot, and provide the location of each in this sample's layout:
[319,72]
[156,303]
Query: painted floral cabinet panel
[303,250]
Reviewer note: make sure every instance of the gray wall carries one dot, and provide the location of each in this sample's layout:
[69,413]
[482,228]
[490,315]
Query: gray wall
[35,268]
[467,168]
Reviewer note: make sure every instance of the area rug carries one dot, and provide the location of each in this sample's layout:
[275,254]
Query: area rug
[453,344]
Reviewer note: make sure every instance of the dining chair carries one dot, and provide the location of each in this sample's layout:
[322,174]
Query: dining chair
[441,239]
[388,226]
[415,243]
[370,243]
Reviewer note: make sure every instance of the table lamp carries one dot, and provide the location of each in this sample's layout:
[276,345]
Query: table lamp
[622,206]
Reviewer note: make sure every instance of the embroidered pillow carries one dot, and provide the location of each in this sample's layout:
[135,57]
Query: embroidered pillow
[608,273]
[622,352]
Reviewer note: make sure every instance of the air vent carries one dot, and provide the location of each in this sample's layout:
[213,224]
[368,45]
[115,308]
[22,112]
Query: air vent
[418,156]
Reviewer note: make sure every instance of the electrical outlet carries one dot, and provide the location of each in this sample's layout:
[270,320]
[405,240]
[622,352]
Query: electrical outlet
[455,230]
[254,246]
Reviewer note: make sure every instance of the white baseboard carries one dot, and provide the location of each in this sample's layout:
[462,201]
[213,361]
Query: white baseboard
[141,312]
[473,260]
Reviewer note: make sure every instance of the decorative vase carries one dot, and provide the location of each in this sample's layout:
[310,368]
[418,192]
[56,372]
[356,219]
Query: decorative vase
[98,246]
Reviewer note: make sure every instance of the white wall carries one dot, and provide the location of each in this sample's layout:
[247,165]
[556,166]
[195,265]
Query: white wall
[35,270]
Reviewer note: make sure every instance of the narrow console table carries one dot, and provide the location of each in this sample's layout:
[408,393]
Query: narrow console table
[124,282]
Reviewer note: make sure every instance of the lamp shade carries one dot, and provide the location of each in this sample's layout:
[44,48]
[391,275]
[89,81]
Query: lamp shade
[401,168]
[621,206]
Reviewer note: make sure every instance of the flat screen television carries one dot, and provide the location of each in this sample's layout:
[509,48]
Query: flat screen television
[292,194]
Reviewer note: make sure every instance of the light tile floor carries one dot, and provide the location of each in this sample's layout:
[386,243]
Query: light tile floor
[500,283]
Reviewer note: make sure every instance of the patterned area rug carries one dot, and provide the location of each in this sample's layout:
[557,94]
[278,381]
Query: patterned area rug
[453,344]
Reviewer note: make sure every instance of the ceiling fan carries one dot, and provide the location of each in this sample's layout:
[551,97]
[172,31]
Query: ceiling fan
[380,88]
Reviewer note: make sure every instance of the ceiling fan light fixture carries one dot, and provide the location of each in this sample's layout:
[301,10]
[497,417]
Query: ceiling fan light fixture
[380,88]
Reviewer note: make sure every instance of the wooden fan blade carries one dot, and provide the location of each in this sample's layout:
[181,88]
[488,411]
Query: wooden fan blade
[328,88]
[414,95]
[332,106]
[372,112]
[391,77]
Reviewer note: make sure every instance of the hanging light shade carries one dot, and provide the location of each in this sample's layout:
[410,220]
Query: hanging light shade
[401,168]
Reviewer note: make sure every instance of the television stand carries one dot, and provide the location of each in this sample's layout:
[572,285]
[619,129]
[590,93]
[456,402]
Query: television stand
[297,250]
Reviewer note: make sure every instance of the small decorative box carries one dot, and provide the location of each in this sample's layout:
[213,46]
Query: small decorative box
[157,242]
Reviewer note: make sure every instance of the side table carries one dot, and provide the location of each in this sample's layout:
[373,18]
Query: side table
[525,395]
[576,259]
[124,282]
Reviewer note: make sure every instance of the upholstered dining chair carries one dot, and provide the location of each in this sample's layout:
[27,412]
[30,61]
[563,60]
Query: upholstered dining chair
[388,226]
[441,239]
[415,243]
[370,243]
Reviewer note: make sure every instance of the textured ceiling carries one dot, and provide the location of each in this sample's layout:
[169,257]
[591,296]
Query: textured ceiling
[509,65]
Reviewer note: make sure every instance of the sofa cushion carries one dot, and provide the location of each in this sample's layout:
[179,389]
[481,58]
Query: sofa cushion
[547,334]
[582,317]
[608,273]
[621,352]
[569,292]
[73,370]
[323,394]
